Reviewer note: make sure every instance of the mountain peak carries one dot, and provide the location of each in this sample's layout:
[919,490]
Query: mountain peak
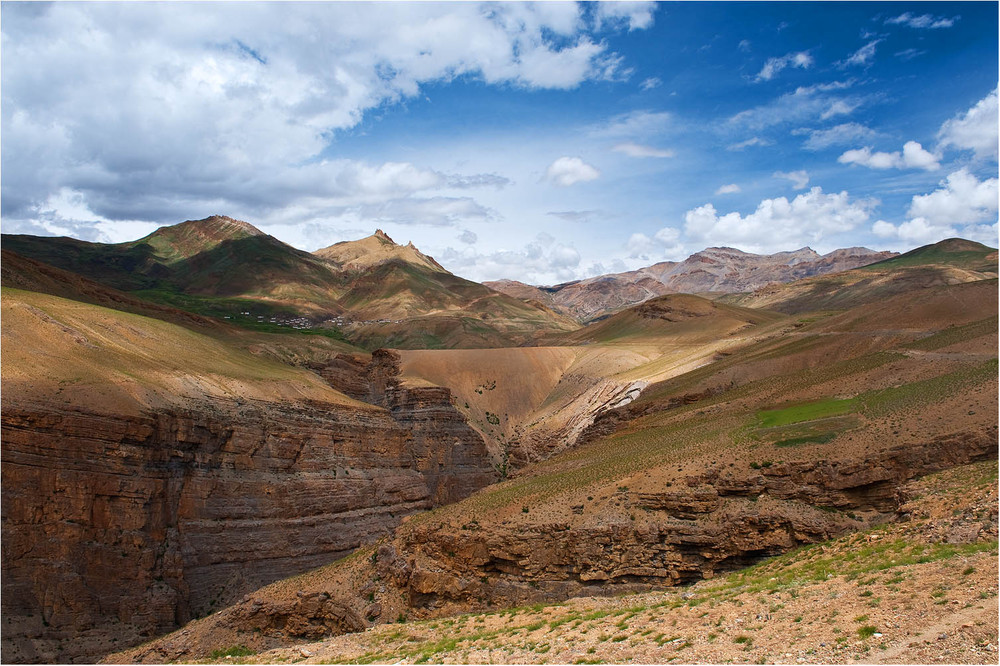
[222,225]
[192,237]
[375,250]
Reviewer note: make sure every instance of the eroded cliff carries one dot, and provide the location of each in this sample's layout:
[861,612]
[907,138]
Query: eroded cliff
[119,527]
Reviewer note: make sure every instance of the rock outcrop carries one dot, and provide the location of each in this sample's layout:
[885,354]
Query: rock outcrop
[117,528]
[692,530]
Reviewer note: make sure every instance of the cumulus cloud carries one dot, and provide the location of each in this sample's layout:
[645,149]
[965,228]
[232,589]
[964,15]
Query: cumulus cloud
[468,237]
[961,199]
[923,21]
[633,15]
[838,135]
[567,171]
[650,83]
[799,178]
[773,66]
[214,110]
[962,205]
[974,130]
[779,223]
[732,188]
[637,150]
[664,244]
[544,260]
[913,157]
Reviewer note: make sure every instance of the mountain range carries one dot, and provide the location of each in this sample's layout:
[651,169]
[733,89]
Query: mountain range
[218,447]
[716,269]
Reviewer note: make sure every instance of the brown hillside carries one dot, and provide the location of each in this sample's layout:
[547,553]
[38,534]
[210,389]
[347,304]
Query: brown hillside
[374,250]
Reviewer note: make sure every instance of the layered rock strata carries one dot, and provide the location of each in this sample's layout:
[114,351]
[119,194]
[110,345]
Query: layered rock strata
[692,530]
[117,528]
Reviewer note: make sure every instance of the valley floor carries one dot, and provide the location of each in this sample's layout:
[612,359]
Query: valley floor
[921,590]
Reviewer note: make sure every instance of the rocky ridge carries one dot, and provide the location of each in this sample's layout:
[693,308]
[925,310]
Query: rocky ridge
[715,269]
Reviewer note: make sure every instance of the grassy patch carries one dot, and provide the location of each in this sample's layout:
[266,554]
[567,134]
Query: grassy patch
[232,651]
[808,411]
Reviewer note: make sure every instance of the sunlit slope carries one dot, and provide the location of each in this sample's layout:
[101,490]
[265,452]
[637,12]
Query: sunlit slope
[534,401]
[811,394]
[949,262]
[93,357]
[373,251]
[675,316]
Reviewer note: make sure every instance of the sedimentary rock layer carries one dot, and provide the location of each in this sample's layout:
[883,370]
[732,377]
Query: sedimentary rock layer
[117,527]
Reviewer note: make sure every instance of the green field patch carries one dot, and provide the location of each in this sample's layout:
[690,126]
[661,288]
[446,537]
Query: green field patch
[819,431]
[807,411]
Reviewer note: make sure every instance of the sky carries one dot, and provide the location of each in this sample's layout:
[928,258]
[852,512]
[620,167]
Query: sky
[541,142]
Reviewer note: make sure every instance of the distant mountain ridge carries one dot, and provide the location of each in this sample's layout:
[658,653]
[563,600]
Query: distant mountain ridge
[715,269]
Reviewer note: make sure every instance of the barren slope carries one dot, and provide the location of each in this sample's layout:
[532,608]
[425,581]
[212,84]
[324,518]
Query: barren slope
[715,269]
[948,262]
[920,591]
[803,435]
[531,402]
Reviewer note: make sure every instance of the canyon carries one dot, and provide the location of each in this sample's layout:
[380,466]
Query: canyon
[249,483]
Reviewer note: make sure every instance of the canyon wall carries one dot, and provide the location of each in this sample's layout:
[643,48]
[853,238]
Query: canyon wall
[117,528]
[691,530]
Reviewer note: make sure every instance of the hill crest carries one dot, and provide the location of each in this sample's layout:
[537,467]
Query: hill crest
[375,250]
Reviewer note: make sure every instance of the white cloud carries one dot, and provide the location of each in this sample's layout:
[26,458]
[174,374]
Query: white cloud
[975,130]
[962,206]
[961,199]
[837,135]
[913,157]
[732,188]
[637,150]
[799,178]
[665,244]
[632,124]
[805,104]
[434,211]
[752,141]
[635,15]
[181,121]
[779,224]
[542,261]
[567,171]
[468,237]
[650,83]
[923,21]
[773,66]
[864,55]
[578,215]
[909,54]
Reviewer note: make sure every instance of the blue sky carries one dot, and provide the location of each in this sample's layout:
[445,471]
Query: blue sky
[541,142]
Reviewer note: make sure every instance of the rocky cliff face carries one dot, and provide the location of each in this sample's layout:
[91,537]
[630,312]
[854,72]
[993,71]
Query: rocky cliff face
[688,531]
[117,528]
